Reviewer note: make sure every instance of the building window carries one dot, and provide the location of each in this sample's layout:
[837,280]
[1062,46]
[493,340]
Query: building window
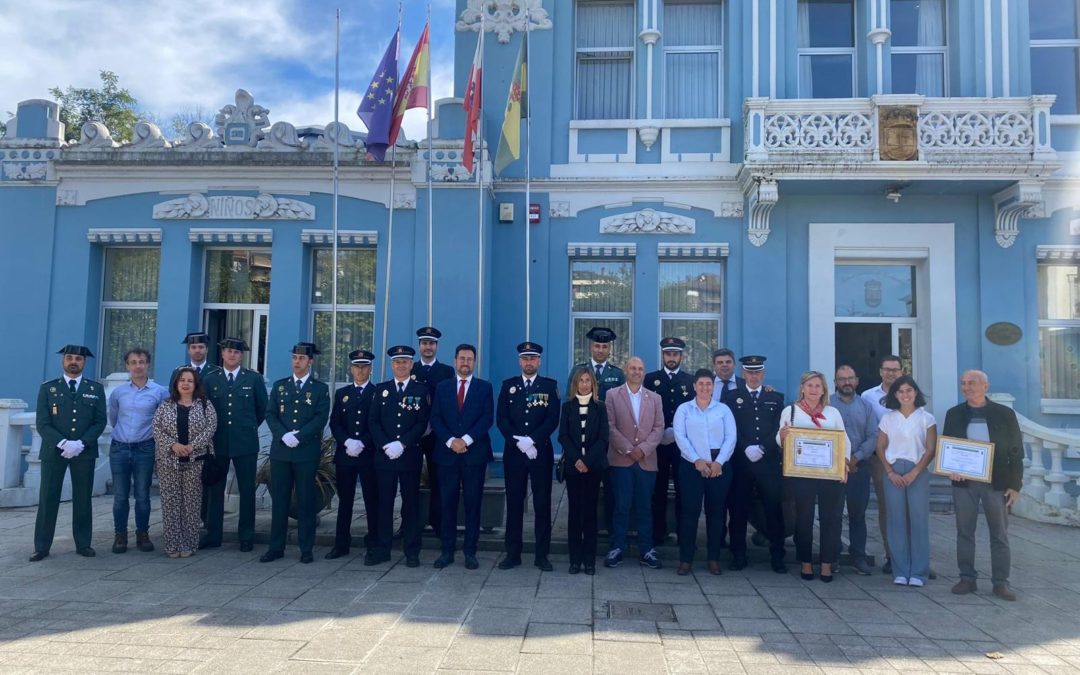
[826,31]
[355,306]
[690,304]
[1059,330]
[129,304]
[236,302]
[693,58]
[918,47]
[602,295]
[1055,52]
[605,59]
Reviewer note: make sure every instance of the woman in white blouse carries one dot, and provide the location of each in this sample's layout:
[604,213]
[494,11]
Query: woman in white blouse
[906,443]
[811,411]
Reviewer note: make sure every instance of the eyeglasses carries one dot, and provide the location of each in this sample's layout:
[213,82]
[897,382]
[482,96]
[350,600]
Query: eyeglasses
[892,370]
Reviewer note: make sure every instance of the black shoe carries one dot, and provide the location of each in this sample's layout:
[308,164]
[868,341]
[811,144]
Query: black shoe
[271,556]
[306,558]
[544,564]
[86,552]
[39,556]
[737,563]
[205,543]
[245,547]
[444,560]
[120,543]
[779,567]
[336,553]
[412,561]
[142,541]
[808,576]
[887,567]
[398,534]
[509,562]
[827,578]
[575,568]
[590,569]
[933,575]
[371,558]
[471,563]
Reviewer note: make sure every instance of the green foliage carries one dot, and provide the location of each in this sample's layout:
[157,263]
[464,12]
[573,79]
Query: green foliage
[110,105]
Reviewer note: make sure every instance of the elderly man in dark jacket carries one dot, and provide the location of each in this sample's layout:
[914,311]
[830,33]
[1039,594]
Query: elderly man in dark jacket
[979,418]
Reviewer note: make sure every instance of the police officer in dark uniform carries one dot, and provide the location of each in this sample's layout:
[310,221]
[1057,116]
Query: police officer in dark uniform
[299,408]
[239,398]
[71,415]
[430,372]
[675,388]
[400,410]
[527,414]
[197,348]
[355,454]
[608,375]
[757,462]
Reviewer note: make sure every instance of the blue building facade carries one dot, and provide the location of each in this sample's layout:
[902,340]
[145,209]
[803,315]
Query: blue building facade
[818,181]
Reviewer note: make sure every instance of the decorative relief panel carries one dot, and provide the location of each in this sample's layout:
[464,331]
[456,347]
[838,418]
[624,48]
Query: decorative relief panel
[503,17]
[648,221]
[229,207]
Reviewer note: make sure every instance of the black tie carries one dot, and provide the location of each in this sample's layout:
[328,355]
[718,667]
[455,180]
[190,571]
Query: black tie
[400,388]
[753,395]
[73,386]
[299,384]
[528,386]
[599,370]
[198,371]
[670,377]
[231,380]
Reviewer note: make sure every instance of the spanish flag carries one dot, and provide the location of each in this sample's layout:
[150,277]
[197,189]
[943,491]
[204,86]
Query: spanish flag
[415,86]
[517,107]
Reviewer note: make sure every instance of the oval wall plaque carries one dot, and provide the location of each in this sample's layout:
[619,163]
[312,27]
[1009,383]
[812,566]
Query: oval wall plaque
[1004,333]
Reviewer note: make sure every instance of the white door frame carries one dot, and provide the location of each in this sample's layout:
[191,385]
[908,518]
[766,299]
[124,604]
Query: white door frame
[932,246]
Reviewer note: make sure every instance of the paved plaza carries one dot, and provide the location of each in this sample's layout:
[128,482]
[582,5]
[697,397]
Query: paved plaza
[222,611]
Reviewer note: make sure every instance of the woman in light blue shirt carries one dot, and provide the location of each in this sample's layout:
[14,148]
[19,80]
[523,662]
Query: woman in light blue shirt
[705,433]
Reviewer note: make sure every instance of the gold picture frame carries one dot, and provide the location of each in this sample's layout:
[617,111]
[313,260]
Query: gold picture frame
[828,459]
[974,460]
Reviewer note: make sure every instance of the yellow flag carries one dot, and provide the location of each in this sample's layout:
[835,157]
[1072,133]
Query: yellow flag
[517,106]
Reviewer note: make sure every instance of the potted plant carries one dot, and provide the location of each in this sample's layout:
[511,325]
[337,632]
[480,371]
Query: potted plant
[324,478]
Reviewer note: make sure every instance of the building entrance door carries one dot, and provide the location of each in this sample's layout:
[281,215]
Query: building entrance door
[236,302]
[862,346]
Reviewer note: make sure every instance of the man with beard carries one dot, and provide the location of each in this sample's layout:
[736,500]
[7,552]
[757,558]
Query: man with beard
[428,371]
[860,421]
[197,349]
[675,388]
[71,415]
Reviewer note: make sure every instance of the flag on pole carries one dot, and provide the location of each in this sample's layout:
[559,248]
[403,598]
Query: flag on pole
[473,98]
[517,106]
[415,86]
[377,108]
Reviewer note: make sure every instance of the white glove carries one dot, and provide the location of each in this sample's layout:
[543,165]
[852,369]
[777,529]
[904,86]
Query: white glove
[353,447]
[669,436]
[67,453]
[290,439]
[394,449]
[754,452]
[524,442]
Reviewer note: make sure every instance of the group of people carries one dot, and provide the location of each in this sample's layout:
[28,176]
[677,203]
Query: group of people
[624,434]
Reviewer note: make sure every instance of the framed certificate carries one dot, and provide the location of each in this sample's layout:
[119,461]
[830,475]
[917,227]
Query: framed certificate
[974,460]
[815,453]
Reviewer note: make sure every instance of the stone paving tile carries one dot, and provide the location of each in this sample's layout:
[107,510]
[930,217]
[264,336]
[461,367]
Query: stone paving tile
[562,610]
[507,596]
[741,607]
[784,596]
[620,630]
[752,627]
[497,621]
[418,633]
[545,664]
[621,658]
[558,638]
[487,652]
[396,658]
[676,593]
[684,661]
[694,617]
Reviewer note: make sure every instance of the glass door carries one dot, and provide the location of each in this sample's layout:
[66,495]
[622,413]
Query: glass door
[236,301]
[875,316]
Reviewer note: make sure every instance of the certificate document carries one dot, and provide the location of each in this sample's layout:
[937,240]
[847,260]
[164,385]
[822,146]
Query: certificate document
[815,453]
[974,460]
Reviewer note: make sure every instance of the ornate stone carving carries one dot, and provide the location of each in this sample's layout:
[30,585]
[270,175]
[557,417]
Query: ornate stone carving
[282,136]
[975,130]
[897,141]
[648,221]
[25,170]
[1020,200]
[147,137]
[731,210]
[819,131]
[199,136]
[229,207]
[559,209]
[763,197]
[67,197]
[503,17]
[404,200]
[95,135]
[336,133]
[243,123]
[450,173]
[648,136]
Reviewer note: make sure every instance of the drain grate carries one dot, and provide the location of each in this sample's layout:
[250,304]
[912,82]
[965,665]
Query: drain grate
[640,611]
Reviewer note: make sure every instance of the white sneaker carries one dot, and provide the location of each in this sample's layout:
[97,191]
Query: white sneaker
[913,581]
[900,581]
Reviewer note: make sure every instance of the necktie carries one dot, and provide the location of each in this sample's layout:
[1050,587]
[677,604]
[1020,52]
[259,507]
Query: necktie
[599,370]
[460,395]
[72,385]
[753,395]
[232,378]
[727,384]
[198,371]
[670,377]
[400,388]
[528,386]
[298,384]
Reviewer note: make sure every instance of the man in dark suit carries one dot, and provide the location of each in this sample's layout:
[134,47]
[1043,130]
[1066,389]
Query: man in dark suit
[428,371]
[355,454]
[462,411]
[71,415]
[299,408]
[527,415]
[399,415]
[675,388]
[757,462]
[239,398]
[723,362]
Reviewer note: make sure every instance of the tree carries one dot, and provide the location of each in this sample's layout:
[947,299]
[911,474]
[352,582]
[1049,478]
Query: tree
[110,105]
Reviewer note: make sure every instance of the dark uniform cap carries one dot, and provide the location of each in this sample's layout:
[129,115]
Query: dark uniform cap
[196,339]
[234,343]
[529,349]
[401,352]
[600,334]
[306,348]
[77,350]
[672,344]
[361,357]
[753,362]
[428,333]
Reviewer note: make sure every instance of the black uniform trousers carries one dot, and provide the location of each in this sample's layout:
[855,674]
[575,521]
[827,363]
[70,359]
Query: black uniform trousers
[455,479]
[829,497]
[698,492]
[244,468]
[389,481]
[284,478]
[52,485]
[518,478]
[667,469]
[583,494]
[766,476]
[434,514]
[345,477]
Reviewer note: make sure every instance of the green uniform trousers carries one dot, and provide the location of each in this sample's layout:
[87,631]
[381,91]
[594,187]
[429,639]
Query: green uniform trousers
[52,484]
[244,467]
[284,477]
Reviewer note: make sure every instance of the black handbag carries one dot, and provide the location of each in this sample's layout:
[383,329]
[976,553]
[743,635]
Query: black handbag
[213,472]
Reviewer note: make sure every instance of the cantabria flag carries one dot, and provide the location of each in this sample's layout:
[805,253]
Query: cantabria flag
[517,107]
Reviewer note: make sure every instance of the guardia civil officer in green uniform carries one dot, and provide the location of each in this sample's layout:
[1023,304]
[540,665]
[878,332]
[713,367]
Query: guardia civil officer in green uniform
[608,375]
[299,409]
[71,415]
[198,344]
[238,395]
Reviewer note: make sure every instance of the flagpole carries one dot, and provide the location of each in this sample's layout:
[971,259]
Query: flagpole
[334,245]
[480,207]
[528,177]
[430,218]
[390,225]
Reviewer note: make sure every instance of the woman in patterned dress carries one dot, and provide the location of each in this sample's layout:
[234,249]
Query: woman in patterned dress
[184,426]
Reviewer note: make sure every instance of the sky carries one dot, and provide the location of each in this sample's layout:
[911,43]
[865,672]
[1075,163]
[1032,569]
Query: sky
[177,57]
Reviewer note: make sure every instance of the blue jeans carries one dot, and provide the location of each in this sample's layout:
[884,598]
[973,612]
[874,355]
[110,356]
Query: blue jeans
[858,496]
[632,484]
[131,462]
[909,523]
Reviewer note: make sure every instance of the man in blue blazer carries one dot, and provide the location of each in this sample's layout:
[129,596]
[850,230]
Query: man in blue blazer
[462,412]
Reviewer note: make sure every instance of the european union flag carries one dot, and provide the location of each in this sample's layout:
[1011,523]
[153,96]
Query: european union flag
[377,108]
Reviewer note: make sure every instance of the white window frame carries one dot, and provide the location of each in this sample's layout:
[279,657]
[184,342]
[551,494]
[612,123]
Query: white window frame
[1073,43]
[718,50]
[920,50]
[599,52]
[107,305]
[625,316]
[1056,405]
[833,51]
[718,317]
[316,307]
[258,308]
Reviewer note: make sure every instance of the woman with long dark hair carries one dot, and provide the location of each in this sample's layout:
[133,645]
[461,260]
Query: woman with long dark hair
[583,436]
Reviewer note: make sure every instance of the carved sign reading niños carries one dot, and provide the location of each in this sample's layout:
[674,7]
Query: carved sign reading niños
[234,207]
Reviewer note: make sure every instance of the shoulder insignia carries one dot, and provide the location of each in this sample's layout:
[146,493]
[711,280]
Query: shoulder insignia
[513,390]
[385,393]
